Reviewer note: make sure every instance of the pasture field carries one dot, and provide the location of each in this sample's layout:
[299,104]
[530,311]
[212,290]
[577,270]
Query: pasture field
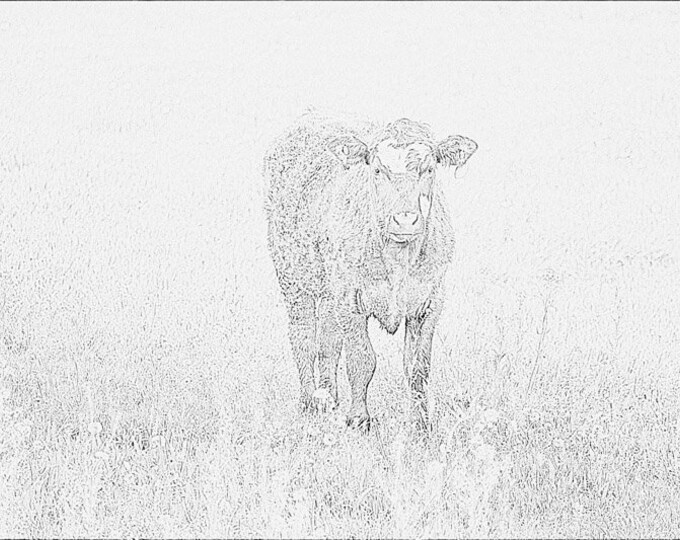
[147,387]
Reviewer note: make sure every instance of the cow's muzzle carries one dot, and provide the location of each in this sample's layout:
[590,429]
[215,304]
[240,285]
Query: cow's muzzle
[404,227]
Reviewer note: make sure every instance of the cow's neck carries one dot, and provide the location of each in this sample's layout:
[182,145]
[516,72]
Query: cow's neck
[392,262]
[399,260]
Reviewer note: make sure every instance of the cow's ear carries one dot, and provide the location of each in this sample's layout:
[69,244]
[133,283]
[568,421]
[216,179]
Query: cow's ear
[349,150]
[455,150]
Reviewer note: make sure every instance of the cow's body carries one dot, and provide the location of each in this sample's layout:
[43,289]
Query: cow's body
[354,232]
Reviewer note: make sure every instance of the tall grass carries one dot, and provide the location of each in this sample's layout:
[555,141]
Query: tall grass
[148,389]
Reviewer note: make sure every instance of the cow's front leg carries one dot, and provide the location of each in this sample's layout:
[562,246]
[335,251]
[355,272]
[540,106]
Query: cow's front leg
[360,367]
[417,352]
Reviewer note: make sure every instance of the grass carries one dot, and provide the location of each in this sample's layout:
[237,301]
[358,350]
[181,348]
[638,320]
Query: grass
[147,387]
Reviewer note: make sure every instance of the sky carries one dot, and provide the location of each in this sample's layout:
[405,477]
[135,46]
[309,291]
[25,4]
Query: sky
[574,105]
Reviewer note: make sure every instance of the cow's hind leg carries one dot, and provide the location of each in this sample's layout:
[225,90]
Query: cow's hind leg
[302,329]
[330,347]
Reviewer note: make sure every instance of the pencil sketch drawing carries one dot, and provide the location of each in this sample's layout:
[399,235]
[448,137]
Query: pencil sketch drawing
[231,304]
[358,229]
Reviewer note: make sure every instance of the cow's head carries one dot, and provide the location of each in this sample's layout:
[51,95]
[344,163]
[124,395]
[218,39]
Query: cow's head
[401,166]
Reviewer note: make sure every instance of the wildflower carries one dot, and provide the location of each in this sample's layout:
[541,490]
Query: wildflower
[299,495]
[101,455]
[539,458]
[313,431]
[340,422]
[490,416]
[534,418]
[329,439]
[476,441]
[158,440]
[558,443]
[24,428]
[434,470]
[485,452]
[322,395]
[95,428]
[324,399]
[492,474]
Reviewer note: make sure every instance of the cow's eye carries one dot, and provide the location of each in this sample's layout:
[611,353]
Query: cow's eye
[430,170]
[376,171]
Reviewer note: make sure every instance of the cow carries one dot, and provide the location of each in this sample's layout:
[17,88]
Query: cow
[358,228]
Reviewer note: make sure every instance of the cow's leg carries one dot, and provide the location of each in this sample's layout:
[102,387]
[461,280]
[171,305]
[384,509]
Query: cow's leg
[360,368]
[302,329]
[330,347]
[417,352]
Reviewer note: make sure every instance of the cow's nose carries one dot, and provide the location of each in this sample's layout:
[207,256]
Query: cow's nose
[405,219]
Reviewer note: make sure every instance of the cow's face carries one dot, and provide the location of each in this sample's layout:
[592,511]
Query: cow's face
[402,175]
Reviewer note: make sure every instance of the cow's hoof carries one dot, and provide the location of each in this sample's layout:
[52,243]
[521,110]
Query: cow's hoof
[307,404]
[324,400]
[320,402]
[360,423]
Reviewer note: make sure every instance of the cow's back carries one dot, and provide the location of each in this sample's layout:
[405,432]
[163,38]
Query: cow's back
[297,169]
